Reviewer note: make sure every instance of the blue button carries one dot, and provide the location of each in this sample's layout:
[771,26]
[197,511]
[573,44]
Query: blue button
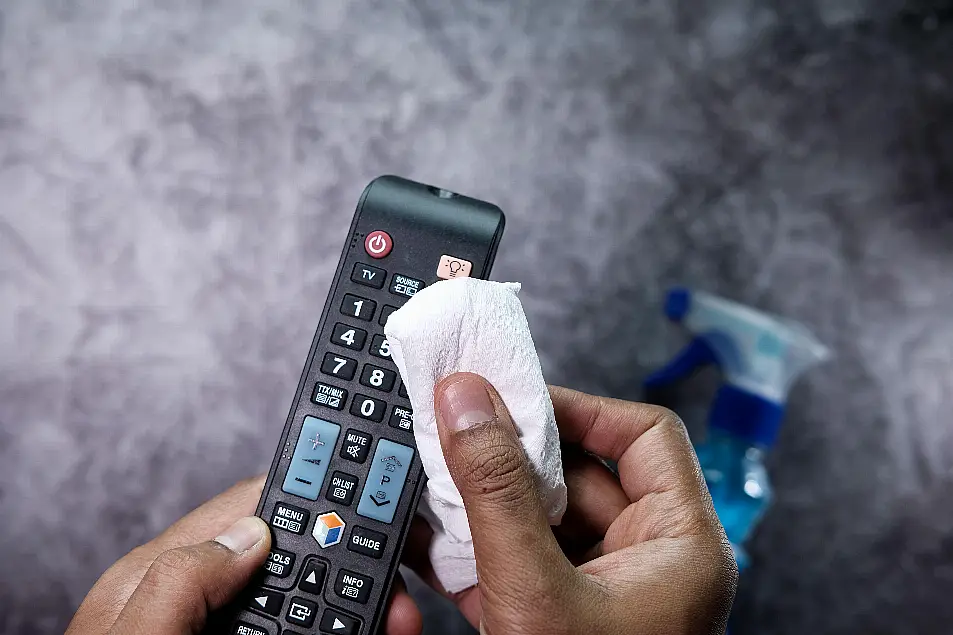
[309,465]
[385,481]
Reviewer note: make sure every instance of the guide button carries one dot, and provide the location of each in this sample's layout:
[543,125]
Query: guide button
[370,543]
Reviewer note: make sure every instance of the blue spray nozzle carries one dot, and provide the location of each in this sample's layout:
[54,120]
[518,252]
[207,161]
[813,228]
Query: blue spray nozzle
[677,303]
[759,355]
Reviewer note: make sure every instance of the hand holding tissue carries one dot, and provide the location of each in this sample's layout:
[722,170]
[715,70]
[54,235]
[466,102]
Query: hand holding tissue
[477,326]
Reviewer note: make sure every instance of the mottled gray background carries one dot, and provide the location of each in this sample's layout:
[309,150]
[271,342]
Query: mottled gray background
[177,177]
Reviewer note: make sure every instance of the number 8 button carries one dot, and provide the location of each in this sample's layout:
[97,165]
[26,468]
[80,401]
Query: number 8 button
[379,378]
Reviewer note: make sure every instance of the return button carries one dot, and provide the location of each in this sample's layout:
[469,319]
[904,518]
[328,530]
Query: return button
[370,543]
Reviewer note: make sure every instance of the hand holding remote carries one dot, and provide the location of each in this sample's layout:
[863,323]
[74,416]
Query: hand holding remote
[167,586]
[643,553]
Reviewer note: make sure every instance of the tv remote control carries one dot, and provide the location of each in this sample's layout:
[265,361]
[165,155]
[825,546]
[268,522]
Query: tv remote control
[346,478]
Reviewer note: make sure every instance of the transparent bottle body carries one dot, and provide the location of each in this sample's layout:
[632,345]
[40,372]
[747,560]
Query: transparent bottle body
[738,481]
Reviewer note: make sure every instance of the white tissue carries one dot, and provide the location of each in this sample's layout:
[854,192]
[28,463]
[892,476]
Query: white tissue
[470,325]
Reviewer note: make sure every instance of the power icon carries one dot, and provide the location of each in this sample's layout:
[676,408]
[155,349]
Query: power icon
[378,244]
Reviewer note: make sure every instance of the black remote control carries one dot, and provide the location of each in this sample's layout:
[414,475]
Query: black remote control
[346,479]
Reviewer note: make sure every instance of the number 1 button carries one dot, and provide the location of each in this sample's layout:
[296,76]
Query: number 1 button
[361,308]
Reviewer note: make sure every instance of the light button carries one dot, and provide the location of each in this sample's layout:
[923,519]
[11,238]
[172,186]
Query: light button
[451,267]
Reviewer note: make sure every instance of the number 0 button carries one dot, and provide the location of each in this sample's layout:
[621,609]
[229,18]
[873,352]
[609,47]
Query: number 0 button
[368,408]
[360,308]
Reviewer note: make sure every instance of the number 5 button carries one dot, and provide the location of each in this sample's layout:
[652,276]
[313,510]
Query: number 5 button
[380,347]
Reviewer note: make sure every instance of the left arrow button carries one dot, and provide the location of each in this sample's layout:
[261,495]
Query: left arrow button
[266,601]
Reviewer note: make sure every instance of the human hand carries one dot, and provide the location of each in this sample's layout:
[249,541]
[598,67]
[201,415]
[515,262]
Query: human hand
[170,585]
[641,553]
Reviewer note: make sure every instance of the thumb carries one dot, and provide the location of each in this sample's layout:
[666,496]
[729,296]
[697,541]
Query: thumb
[184,585]
[514,546]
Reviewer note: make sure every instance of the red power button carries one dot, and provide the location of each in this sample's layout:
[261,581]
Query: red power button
[378,244]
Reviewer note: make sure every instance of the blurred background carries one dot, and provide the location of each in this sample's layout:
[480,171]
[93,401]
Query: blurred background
[177,179]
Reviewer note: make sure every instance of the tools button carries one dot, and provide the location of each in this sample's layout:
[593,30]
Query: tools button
[451,267]
[378,244]
[405,285]
[370,543]
[385,481]
[336,622]
[312,577]
[342,488]
[279,563]
[290,518]
[309,464]
[353,586]
[368,276]
[266,601]
[302,612]
[356,446]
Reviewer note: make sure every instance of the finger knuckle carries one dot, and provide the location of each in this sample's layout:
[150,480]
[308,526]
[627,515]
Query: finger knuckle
[172,565]
[497,472]
[665,419]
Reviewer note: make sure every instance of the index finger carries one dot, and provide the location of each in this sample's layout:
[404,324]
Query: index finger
[649,443]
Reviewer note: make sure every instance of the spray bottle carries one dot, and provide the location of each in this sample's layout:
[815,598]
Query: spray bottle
[760,356]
